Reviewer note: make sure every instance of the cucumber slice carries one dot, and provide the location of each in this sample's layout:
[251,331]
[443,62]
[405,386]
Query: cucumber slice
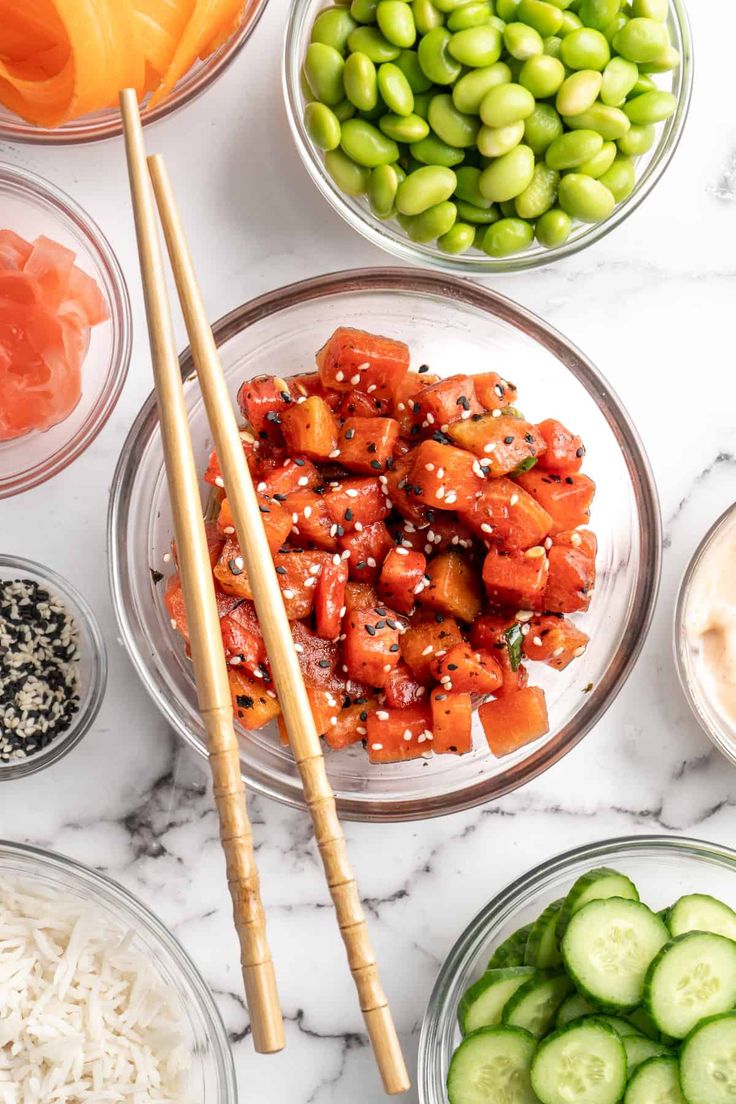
[699,912]
[708,1062]
[607,949]
[534,1005]
[511,951]
[638,1050]
[572,1008]
[542,948]
[656,1081]
[483,1003]
[623,1028]
[596,885]
[492,1064]
[691,978]
[584,1062]
[644,1023]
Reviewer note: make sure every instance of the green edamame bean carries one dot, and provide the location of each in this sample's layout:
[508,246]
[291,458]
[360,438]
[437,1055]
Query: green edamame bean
[475,14]
[637,141]
[364,11]
[374,114]
[570,22]
[498,24]
[332,27]
[508,208]
[426,16]
[610,122]
[434,222]
[651,107]
[543,17]
[598,13]
[553,228]
[323,67]
[370,41]
[507,236]
[522,42]
[382,188]
[468,92]
[578,92]
[424,188]
[541,128]
[641,40]
[573,148]
[507,176]
[600,162]
[344,110]
[350,178]
[394,88]
[585,48]
[584,198]
[542,75]
[496,141]
[322,125]
[651,9]
[553,46]
[408,63]
[396,23]
[507,9]
[366,145]
[458,239]
[433,151]
[450,125]
[620,178]
[505,104]
[421,104]
[467,187]
[476,47]
[435,58]
[448,6]
[539,194]
[404,128]
[360,81]
[666,61]
[616,24]
[563,4]
[644,83]
[477,216]
[619,77]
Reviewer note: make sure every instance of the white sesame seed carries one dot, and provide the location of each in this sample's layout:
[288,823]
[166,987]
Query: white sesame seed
[421,738]
[298,648]
[579,651]
[381,715]
[430,419]
[377,747]
[261,487]
[495,413]
[444,427]
[364,366]
[427,549]
[402,552]
[235,661]
[288,593]
[361,730]
[452,497]
[167,557]
[351,492]
[339,376]
[355,379]
[490,447]
[387,667]
[303,481]
[428,650]
[513,500]
[388,503]
[440,473]
[547,543]
[407,734]
[172,622]
[524,615]
[229,530]
[336,560]
[333,530]
[315,569]
[558,652]
[537,641]
[343,611]
[429,467]
[370,561]
[525,630]
[219,481]
[334,454]
[465,415]
[310,582]
[440,492]
[370,389]
[486,528]
[534,553]
[295,519]
[575,539]
[401,407]
[358,527]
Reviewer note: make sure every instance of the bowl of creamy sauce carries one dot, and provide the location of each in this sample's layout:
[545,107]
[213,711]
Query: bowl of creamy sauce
[705,633]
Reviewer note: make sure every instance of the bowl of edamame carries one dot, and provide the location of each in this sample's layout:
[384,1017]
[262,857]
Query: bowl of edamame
[482,136]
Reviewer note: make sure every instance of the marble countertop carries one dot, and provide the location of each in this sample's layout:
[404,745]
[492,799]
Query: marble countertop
[653,305]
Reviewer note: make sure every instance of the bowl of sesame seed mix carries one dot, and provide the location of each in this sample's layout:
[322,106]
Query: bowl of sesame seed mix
[53,667]
[447,328]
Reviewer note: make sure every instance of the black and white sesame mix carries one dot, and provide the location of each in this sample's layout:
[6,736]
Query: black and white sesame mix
[39,669]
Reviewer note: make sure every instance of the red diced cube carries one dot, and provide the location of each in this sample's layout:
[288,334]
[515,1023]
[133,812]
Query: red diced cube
[401,574]
[367,444]
[566,498]
[310,429]
[452,720]
[555,641]
[329,598]
[515,720]
[447,401]
[504,512]
[368,549]
[571,580]
[398,734]
[355,359]
[515,580]
[371,645]
[444,477]
[357,502]
[467,670]
[565,451]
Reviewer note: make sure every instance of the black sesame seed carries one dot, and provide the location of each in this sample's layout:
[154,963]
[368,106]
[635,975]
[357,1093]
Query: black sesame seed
[580,452]
[299,462]
[349,434]
[264,509]
[423,368]
[348,514]
[394,648]
[235,567]
[569,479]
[280,570]
[508,440]
[370,630]
[324,663]
[376,464]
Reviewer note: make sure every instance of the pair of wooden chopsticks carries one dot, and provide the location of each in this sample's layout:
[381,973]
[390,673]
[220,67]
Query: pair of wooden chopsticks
[149,178]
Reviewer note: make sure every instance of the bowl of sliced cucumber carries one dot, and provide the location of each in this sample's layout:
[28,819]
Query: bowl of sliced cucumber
[606,975]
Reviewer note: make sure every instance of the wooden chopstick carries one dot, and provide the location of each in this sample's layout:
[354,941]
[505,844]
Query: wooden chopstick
[287,675]
[205,640]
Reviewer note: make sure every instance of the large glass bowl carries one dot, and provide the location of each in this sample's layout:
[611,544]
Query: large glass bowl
[663,869]
[212,1073]
[391,237]
[452,325]
[107,123]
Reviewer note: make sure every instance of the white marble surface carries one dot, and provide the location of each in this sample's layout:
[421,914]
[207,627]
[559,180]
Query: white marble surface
[653,305]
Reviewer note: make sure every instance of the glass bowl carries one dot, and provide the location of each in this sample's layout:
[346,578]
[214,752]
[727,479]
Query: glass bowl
[92,666]
[32,206]
[710,718]
[213,1075]
[448,324]
[391,237]
[107,124]
[663,868]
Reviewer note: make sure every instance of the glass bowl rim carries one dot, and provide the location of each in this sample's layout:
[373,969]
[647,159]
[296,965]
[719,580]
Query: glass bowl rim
[22,181]
[129,908]
[466,945]
[570,358]
[100,129]
[83,721]
[403,248]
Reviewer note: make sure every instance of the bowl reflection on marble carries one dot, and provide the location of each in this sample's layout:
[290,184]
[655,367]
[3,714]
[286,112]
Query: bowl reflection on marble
[662,867]
[453,326]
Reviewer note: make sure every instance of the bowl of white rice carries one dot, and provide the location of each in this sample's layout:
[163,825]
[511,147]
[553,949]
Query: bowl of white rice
[99,1004]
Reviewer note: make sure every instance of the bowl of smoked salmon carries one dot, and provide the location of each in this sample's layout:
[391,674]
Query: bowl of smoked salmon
[65,330]
[462,521]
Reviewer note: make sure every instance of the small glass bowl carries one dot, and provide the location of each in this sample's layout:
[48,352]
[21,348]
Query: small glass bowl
[663,868]
[451,325]
[92,666]
[213,1074]
[391,237]
[107,123]
[31,206]
[705,710]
